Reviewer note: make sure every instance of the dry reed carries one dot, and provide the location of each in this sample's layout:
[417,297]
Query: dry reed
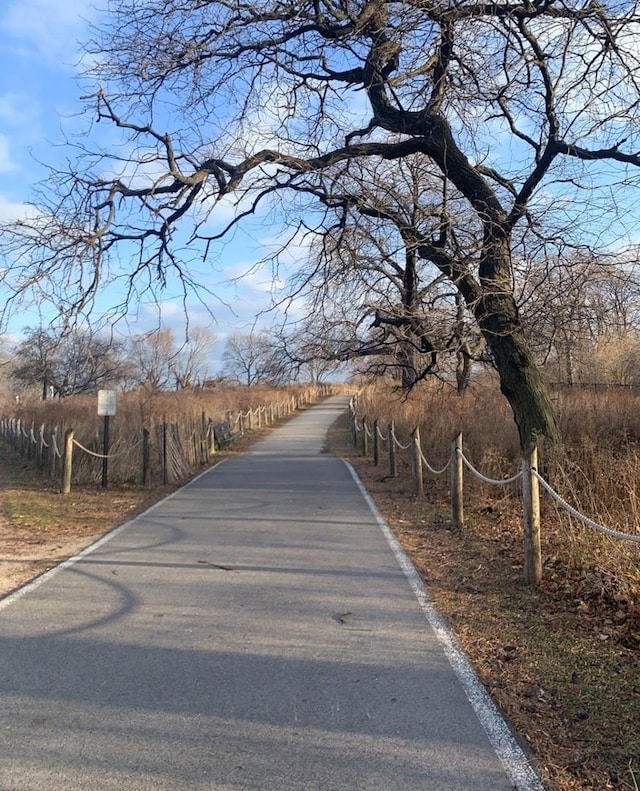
[597,470]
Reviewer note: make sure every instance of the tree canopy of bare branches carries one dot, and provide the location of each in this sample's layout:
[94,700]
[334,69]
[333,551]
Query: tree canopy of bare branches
[373,294]
[527,110]
[63,365]
[251,359]
[159,360]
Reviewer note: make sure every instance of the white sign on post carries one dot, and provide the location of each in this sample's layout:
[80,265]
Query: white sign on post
[106,402]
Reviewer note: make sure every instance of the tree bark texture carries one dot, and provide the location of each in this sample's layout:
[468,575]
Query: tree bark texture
[520,379]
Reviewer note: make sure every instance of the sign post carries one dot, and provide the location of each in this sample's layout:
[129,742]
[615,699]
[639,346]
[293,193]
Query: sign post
[106,408]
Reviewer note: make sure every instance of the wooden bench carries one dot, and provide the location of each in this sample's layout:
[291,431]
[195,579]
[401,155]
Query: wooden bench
[224,435]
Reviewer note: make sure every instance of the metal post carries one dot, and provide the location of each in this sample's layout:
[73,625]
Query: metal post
[165,459]
[105,453]
[146,458]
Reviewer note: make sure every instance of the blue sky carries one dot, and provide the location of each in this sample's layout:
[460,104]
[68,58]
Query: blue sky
[39,102]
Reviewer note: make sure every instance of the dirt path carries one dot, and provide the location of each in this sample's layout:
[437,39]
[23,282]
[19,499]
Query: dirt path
[40,528]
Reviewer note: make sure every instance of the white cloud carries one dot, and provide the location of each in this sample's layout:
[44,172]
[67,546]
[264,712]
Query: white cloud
[6,162]
[11,210]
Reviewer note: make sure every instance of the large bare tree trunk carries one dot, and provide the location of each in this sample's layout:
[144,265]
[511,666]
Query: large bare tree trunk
[406,358]
[522,384]
[520,379]
[463,371]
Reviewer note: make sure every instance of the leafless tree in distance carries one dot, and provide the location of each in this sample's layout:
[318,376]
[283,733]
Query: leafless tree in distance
[251,359]
[526,108]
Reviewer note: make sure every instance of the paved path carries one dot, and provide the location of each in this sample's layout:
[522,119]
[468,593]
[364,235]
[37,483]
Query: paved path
[253,631]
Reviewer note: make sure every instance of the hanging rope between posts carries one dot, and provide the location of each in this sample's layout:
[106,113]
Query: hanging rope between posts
[383,437]
[431,469]
[607,531]
[492,481]
[399,444]
[55,446]
[110,455]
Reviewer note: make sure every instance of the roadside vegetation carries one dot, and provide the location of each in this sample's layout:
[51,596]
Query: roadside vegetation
[39,527]
[563,660]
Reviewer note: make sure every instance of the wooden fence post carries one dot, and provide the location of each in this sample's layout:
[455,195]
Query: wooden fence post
[53,459]
[26,444]
[165,453]
[531,507]
[393,466]
[146,458]
[29,443]
[204,436]
[376,443]
[416,463]
[40,447]
[354,425]
[457,483]
[365,438]
[68,461]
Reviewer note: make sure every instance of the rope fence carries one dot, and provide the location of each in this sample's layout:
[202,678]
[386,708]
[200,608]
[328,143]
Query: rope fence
[607,531]
[107,455]
[528,477]
[166,451]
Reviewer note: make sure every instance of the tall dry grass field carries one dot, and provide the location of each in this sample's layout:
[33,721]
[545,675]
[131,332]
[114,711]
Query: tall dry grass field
[597,470]
[186,412]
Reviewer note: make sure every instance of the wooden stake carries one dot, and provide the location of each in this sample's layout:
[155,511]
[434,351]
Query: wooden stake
[68,461]
[457,483]
[531,507]
[418,481]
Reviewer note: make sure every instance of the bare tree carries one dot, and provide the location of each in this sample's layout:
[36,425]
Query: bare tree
[150,356]
[303,352]
[250,359]
[514,103]
[576,306]
[189,363]
[64,364]
[398,308]
[159,360]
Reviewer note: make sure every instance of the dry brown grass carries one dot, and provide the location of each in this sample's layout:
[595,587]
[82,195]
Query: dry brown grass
[145,408]
[186,412]
[597,471]
[39,528]
[562,661]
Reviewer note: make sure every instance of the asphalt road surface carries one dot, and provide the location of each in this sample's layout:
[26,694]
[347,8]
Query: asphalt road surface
[256,630]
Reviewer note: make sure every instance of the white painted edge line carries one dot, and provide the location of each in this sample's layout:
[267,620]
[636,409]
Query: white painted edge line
[31,586]
[512,756]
